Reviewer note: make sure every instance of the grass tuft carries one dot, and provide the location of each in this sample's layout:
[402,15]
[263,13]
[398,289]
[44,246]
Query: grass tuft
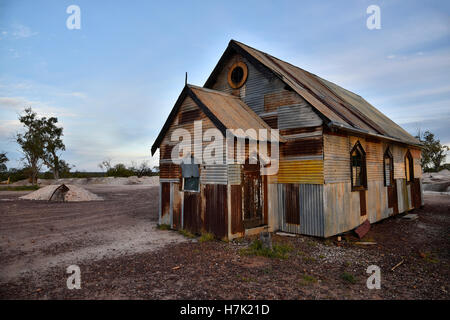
[163,226]
[279,251]
[186,233]
[307,279]
[348,277]
[205,237]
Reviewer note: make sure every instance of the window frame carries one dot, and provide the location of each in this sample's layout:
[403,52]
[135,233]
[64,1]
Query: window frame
[408,156]
[388,154]
[183,177]
[360,149]
[189,190]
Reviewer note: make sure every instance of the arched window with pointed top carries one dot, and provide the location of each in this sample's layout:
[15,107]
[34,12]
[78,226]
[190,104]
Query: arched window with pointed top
[388,168]
[358,167]
[409,167]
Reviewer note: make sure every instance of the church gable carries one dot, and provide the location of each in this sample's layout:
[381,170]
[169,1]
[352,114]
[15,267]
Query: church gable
[263,92]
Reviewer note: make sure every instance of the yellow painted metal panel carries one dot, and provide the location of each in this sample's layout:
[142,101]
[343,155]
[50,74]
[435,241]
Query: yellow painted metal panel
[300,171]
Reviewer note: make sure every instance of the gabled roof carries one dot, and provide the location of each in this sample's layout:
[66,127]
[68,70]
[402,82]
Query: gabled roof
[337,106]
[225,111]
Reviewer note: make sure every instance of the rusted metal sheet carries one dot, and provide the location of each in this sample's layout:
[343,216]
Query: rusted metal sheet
[342,211]
[237,225]
[302,147]
[297,116]
[271,120]
[311,209]
[189,116]
[300,209]
[416,193]
[272,101]
[362,202]
[332,101]
[284,226]
[192,220]
[336,153]
[292,207]
[165,202]
[176,206]
[216,217]
[363,229]
[214,174]
[169,171]
[300,171]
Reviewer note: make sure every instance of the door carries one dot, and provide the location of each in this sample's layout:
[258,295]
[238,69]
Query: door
[252,202]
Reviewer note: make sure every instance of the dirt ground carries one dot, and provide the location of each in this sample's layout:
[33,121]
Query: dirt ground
[55,236]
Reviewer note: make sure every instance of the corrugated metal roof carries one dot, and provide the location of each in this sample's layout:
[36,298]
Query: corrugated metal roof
[337,104]
[226,112]
[231,111]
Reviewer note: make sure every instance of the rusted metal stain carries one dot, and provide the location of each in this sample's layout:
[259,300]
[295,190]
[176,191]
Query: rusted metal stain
[169,171]
[176,206]
[282,98]
[216,210]
[362,202]
[292,210]
[302,147]
[237,225]
[189,116]
[416,193]
[165,198]
[192,212]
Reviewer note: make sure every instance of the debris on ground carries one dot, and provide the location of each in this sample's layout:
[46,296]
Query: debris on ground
[411,216]
[363,229]
[62,193]
[397,265]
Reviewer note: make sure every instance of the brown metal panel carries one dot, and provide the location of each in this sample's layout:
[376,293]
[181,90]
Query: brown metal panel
[282,98]
[416,194]
[192,212]
[216,213]
[301,147]
[165,198]
[189,116]
[169,171]
[176,207]
[236,209]
[271,120]
[292,205]
[362,202]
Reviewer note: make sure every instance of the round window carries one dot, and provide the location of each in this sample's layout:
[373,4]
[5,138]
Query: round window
[237,75]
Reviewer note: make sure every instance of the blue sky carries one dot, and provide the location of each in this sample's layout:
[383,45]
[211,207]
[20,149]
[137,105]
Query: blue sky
[113,82]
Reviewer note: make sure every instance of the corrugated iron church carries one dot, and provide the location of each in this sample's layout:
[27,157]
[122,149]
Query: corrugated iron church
[341,161]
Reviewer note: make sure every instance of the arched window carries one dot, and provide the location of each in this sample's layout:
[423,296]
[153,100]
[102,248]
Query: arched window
[409,167]
[388,167]
[358,167]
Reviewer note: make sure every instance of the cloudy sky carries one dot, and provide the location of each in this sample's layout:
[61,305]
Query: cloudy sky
[113,82]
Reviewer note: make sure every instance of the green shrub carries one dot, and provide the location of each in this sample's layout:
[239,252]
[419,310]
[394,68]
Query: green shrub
[18,188]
